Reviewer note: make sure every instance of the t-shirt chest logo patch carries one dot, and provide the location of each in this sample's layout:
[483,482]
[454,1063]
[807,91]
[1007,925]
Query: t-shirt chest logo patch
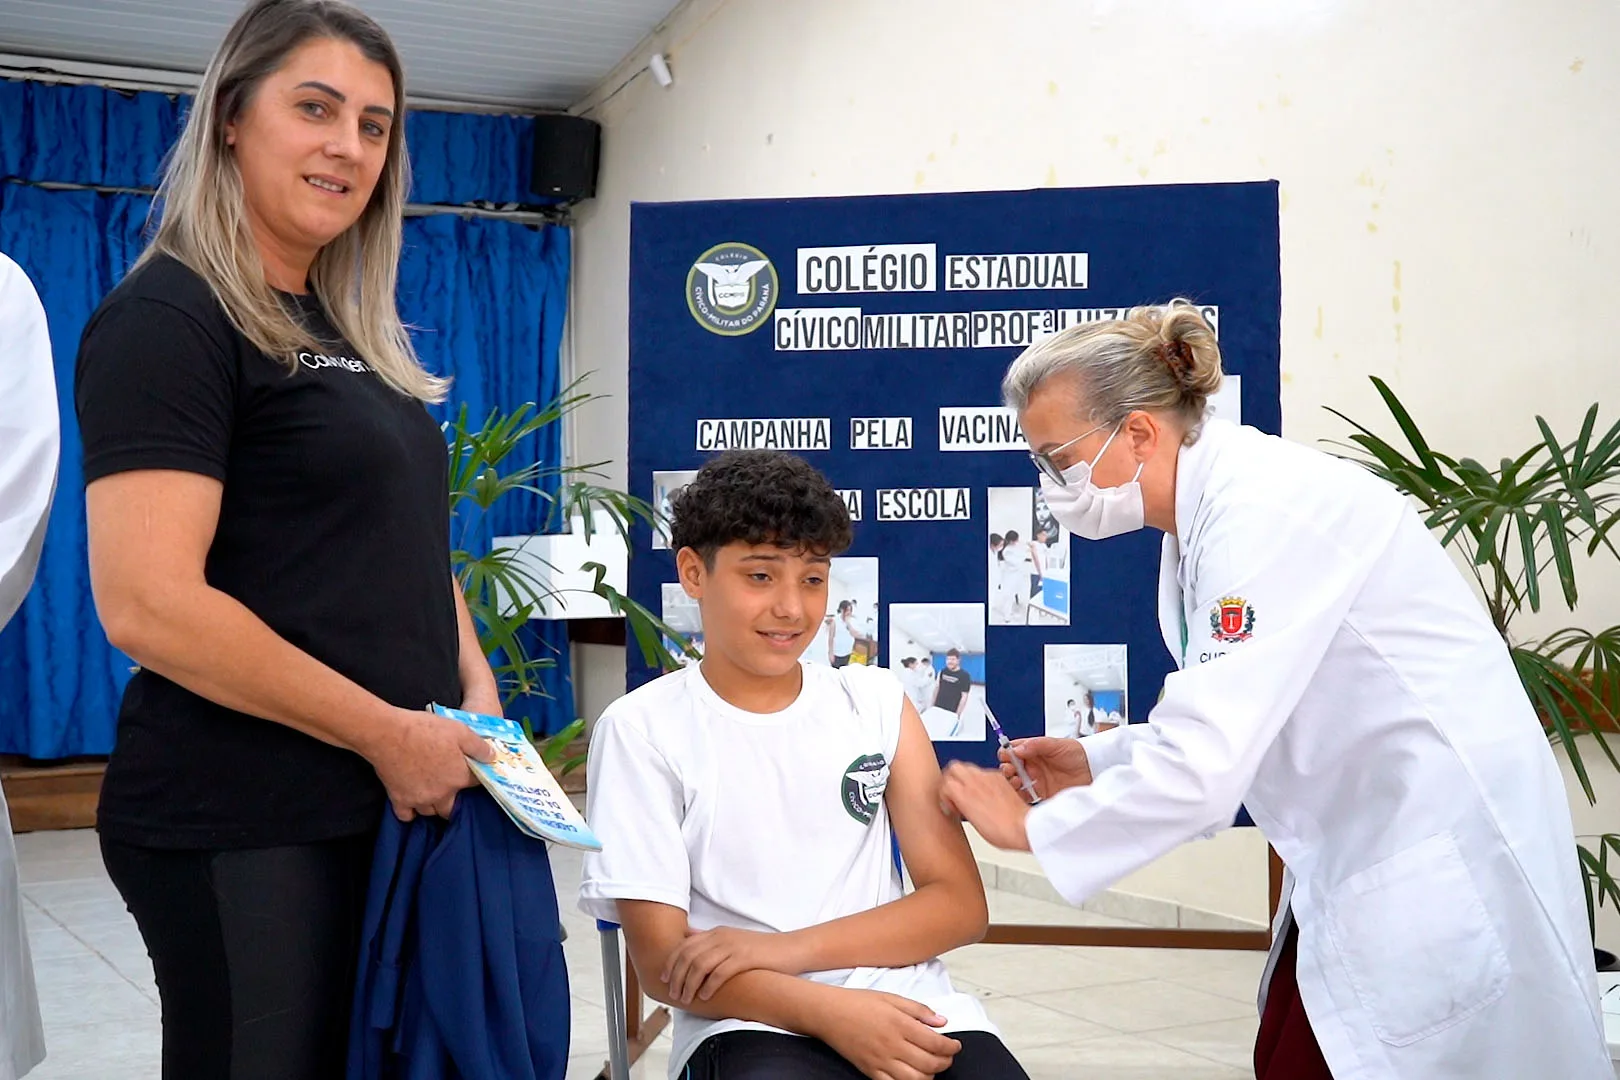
[865,781]
[318,361]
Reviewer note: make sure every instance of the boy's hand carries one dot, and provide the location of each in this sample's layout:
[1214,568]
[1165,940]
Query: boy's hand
[702,963]
[885,1036]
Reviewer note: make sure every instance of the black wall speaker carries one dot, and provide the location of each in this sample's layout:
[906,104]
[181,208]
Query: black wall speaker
[566,150]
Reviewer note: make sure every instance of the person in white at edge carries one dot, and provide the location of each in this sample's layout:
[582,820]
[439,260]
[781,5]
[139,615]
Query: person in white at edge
[29,441]
[1092,719]
[1339,680]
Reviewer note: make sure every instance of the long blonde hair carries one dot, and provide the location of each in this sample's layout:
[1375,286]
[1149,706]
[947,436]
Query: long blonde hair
[204,224]
[1158,358]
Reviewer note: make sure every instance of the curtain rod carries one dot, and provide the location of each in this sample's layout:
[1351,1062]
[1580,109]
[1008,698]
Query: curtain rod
[519,217]
[165,81]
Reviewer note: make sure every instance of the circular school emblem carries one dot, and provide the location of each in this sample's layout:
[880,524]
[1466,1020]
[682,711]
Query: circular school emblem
[731,289]
[865,781]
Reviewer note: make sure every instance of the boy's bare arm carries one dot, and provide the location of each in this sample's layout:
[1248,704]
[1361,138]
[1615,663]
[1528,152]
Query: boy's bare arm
[882,1035]
[653,931]
[946,910]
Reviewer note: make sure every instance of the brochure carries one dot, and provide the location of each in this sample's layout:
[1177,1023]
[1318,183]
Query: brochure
[520,782]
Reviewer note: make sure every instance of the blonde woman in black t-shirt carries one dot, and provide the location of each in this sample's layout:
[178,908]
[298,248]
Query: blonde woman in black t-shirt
[268,527]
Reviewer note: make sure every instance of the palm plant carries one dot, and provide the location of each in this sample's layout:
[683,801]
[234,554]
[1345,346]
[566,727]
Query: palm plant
[1519,527]
[503,590]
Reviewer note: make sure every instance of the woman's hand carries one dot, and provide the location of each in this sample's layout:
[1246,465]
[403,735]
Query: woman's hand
[422,762]
[1054,764]
[703,963]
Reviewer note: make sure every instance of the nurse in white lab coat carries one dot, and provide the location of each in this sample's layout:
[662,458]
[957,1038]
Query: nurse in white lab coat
[28,449]
[1339,679]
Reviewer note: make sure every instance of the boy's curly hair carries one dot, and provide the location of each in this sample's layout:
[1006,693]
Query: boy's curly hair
[760,497]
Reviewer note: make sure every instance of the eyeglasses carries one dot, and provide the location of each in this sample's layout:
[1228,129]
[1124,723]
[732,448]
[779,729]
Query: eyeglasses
[1043,458]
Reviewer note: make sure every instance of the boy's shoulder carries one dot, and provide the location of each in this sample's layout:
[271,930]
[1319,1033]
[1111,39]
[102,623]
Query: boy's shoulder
[660,697]
[862,679]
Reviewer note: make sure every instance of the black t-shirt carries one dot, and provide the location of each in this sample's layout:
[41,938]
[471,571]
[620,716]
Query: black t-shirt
[333,529]
[952,685]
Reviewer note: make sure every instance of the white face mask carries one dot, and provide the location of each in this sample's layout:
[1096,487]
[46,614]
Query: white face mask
[1090,511]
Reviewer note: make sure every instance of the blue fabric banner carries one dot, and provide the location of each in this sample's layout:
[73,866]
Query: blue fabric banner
[871,335]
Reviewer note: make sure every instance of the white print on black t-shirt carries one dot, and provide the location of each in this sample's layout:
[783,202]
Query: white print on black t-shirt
[316,361]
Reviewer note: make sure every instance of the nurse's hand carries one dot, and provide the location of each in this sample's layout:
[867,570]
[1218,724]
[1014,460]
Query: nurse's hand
[1054,764]
[981,797]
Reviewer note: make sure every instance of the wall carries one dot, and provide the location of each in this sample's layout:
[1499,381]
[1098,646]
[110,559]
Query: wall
[1448,221]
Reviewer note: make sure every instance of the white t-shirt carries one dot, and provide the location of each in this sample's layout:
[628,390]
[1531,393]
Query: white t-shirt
[762,822]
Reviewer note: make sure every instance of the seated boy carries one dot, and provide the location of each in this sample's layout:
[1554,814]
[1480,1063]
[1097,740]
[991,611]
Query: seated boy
[747,808]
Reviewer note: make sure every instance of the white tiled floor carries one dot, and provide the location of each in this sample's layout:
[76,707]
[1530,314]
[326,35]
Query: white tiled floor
[1096,1014]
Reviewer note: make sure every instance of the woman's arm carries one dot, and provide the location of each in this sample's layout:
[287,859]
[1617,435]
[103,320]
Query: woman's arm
[479,691]
[149,533]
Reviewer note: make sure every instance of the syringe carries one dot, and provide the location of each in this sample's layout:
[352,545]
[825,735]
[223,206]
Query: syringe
[1006,744]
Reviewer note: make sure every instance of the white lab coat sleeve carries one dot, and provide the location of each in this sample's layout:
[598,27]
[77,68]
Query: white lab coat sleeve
[29,441]
[1106,749]
[1191,764]
[29,435]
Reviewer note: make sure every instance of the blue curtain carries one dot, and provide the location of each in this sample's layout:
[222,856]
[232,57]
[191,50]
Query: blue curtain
[88,135]
[486,300]
[60,681]
[484,297]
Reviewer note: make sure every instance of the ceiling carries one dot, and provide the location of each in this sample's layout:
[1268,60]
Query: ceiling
[536,54]
[1099,667]
[938,627]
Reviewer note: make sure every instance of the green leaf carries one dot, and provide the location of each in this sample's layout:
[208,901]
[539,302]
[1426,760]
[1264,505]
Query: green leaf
[1598,876]
[1408,426]
[1546,683]
[1558,539]
[1527,544]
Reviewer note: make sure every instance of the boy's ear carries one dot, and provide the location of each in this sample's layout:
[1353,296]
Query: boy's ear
[689,569]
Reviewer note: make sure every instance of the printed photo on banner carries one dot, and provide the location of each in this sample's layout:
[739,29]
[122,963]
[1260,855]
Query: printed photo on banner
[680,614]
[1227,402]
[937,650]
[1085,689]
[849,633]
[1028,555]
[667,485]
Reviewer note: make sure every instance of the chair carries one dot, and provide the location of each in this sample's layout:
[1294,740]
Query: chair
[629,1032]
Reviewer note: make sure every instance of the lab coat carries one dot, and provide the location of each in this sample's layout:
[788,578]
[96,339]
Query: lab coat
[29,439]
[1340,680]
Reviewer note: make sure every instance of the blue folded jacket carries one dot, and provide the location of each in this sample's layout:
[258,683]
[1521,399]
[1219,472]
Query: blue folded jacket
[462,974]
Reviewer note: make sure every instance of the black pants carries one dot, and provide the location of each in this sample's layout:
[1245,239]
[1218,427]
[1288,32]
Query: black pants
[254,951]
[769,1055]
